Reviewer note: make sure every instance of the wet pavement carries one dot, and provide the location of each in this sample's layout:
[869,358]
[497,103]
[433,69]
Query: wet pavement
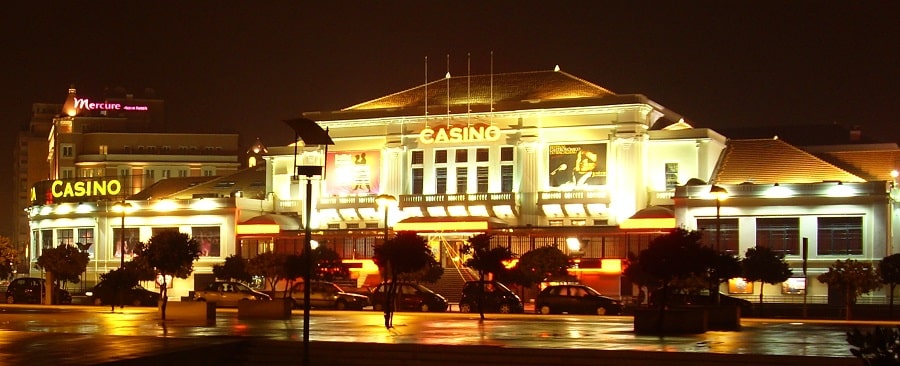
[87,335]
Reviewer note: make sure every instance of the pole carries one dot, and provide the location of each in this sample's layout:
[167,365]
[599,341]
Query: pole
[122,241]
[307,273]
[718,225]
[386,208]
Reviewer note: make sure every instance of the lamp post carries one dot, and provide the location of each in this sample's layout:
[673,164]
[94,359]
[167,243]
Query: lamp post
[385,202]
[310,133]
[574,246]
[123,207]
[719,194]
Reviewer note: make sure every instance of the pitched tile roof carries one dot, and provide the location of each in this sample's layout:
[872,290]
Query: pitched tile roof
[767,161]
[166,187]
[486,89]
[250,181]
[871,165]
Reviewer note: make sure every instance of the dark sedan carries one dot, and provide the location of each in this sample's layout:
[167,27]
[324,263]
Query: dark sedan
[573,299]
[105,294]
[30,290]
[497,298]
[410,297]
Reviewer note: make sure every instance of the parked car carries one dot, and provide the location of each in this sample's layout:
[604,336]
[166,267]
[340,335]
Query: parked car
[497,298]
[575,298]
[30,290]
[324,294]
[105,294]
[227,293]
[409,297]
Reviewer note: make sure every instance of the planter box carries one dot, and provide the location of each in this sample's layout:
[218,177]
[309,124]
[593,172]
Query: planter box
[189,310]
[262,309]
[675,321]
[724,317]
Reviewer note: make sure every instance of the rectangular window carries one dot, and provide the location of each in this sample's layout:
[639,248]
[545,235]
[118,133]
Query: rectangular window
[779,234]
[727,234]
[46,239]
[209,240]
[483,178]
[124,172]
[840,236]
[440,156]
[507,153]
[183,173]
[462,155]
[417,157]
[132,238]
[86,241]
[440,180]
[104,149]
[67,173]
[209,171]
[418,180]
[65,237]
[506,178]
[67,151]
[671,176]
[462,179]
[482,155]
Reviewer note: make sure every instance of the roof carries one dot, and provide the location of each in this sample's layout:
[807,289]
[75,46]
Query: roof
[872,165]
[167,187]
[768,161]
[251,182]
[800,134]
[488,89]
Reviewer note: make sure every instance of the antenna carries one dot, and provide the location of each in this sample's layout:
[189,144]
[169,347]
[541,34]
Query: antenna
[468,89]
[447,77]
[426,91]
[491,111]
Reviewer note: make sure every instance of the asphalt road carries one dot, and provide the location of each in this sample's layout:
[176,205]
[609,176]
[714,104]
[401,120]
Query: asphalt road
[757,336]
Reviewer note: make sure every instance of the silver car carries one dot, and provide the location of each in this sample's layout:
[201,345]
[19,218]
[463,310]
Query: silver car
[225,293]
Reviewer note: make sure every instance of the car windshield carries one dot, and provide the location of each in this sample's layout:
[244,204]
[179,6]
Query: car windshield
[241,288]
[591,291]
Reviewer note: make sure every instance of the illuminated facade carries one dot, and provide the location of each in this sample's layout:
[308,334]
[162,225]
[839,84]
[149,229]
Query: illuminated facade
[89,155]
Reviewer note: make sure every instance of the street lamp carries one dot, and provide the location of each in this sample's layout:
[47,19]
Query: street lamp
[385,202]
[719,194]
[310,133]
[123,207]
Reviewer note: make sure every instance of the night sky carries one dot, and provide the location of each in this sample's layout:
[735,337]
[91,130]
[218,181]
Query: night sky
[244,66]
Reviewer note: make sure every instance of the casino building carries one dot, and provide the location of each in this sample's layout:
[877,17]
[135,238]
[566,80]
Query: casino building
[534,158]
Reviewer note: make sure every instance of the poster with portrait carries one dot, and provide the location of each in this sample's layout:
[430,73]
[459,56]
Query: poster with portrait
[209,240]
[353,172]
[577,165]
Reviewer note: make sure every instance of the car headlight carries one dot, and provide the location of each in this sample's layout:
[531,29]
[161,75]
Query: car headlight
[88,293]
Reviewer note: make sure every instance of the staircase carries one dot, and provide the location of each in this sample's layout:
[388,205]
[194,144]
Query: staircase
[450,285]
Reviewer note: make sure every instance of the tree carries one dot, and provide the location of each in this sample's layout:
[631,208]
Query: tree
[852,278]
[485,260]
[724,266]
[234,268]
[269,265]
[404,254]
[763,265]
[173,254]
[64,263]
[541,263]
[673,259]
[119,279]
[9,257]
[889,272]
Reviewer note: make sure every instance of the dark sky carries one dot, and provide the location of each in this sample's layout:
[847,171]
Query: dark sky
[243,66]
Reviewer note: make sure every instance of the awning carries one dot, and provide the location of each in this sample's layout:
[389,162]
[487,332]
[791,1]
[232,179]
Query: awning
[653,217]
[268,224]
[445,224]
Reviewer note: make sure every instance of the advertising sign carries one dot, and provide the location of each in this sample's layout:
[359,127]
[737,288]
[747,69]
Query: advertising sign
[577,165]
[353,172]
[74,190]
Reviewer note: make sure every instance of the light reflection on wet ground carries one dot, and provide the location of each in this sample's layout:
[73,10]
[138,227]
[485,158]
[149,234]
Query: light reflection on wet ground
[769,337]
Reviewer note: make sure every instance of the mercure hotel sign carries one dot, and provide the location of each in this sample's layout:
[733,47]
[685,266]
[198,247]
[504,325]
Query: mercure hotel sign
[86,104]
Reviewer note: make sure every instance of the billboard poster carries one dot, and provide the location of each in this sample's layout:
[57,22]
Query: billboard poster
[353,172]
[577,165]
